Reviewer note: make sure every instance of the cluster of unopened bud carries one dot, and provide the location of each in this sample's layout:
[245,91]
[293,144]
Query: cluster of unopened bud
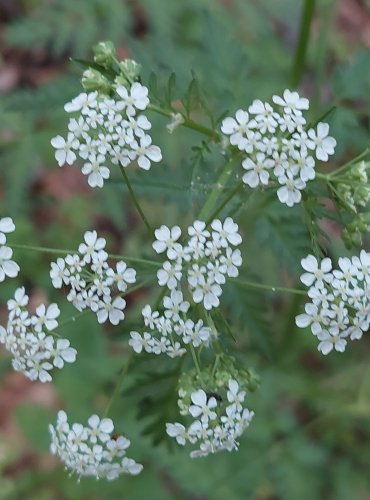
[111,72]
[215,380]
[353,192]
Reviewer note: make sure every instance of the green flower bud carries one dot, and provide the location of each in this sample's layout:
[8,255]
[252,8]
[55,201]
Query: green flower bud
[345,194]
[105,54]
[130,69]
[362,195]
[359,172]
[93,80]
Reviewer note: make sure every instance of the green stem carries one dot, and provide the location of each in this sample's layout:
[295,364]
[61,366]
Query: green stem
[196,363]
[217,189]
[188,123]
[301,48]
[226,200]
[271,288]
[135,200]
[326,16]
[119,384]
[56,251]
[358,158]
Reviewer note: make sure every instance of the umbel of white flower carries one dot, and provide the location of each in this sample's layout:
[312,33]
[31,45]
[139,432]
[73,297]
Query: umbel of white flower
[35,352]
[91,450]
[278,148]
[205,260]
[8,268]
[171,332]
[340,300]
[217,423]
[107,130]
[92,281]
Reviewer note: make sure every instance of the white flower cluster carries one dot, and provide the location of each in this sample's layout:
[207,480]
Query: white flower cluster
[217,423]
[107,129]
[169,327]
[7,266]
[340,300]
[34,352]
[206,259]
[279,150]
[92,450]
[91,279]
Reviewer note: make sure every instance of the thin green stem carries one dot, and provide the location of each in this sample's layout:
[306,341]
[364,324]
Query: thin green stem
[188,123]
[196,362]
[119,384]
[56,251]
[217,189]
[135,200]
[301,48]
[270,288]
[358,158]
[226,200]
[215,365]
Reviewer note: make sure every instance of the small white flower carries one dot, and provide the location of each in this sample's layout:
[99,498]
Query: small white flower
[227,231]
[112,310]
[169,275]
[315,272]
[290,192]
[83,102]
[78,127]
[257,171]
[198,231]
[314,317]
[59,274]
[165,238]
[202,406]
[321,142]
[100,428]
[136,99]
[7,266]
[208,293]
[20,301]
[46,317]
[178,432]
[329,342]
[63,352]
[96,172]
[91,246]
[138,342]
[265,116]
[122,276]
[64,149]
[237,128]
[234,396]
[145,152]
[291,102]
[6,226]
[175,305]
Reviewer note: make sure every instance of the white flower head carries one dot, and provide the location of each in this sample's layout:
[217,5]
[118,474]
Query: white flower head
[91,450]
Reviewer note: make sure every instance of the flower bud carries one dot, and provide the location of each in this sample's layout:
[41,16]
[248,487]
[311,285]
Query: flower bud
[105,54]
[93,80]
[130,69]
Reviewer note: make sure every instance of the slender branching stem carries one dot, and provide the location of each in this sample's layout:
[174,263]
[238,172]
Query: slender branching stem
[136,201]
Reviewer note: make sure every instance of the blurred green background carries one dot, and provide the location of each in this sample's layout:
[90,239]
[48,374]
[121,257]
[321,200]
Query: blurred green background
[310,437]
